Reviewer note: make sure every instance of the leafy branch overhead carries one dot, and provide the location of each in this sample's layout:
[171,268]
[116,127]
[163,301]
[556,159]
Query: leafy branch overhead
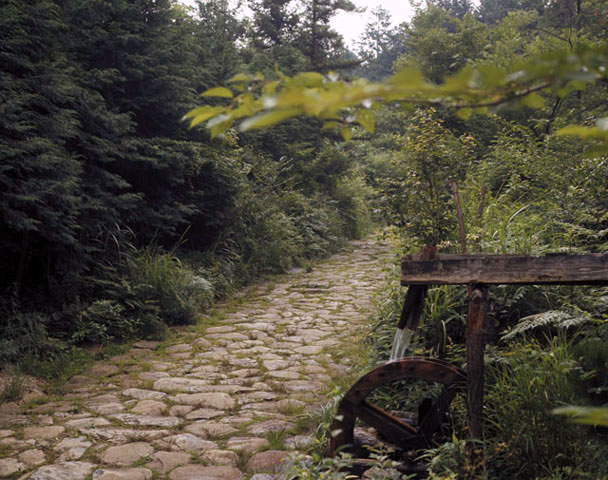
[257,102]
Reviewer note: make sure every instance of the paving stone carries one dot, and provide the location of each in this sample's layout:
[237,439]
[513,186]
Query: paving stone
[309,349]
[218,400]
[237,420]
[275,364]
[268,461]
[180,410]
[286,405]
[182,347]
[9,466]
[146,344]
[149,407]
[147,420]
[187,442]
[107,408]
[32,457]
[142,394]
[202,343]
[152,375]
[63,471]
[166,461]
[263,428]
[245,373]
[246,444]
[210,429]
[42,433]
[87,422]
[221,329]
[179,384]
[204,414]
[126,454]
[123,435]
[303,386]
[101,399]
[220,457]
[285,374]
[199,472]
[74,452]
[122,474]
[257,396]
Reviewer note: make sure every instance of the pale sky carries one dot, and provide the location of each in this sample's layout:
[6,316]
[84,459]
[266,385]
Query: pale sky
[351,25]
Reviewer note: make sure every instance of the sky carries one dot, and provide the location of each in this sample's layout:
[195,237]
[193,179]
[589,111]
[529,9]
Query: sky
[351,25]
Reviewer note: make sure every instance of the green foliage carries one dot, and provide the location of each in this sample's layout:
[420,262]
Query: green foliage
[585,415]
[57,366]
[13,386]
[519,404]
[418,196]
[316,467]
[552,318]
[176,289]
[315,95]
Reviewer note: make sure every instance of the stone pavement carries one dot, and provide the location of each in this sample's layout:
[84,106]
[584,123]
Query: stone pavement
[219,405]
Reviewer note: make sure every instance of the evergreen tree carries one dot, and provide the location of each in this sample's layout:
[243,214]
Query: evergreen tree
[322,45]
[39,177]
[379,46]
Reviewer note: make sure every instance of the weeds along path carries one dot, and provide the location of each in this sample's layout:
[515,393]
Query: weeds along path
[225,402]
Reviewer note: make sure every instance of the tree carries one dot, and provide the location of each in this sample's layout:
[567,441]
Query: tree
[39,177]
[322,45]
[275,22]
[379,46]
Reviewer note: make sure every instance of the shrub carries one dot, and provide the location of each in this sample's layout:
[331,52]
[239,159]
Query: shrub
[525,438]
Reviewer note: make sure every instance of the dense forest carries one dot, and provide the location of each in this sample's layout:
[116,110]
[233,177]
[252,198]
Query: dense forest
[118,220]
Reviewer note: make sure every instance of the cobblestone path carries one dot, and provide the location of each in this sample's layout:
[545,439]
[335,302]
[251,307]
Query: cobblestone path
[220,404]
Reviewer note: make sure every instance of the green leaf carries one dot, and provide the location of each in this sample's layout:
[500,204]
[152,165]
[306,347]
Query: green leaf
[347,133]
[201,114]
[239,78]
[217,92]
[534,100]
[219,124]
[464,113]
[269,118]
[585,415]
[331,124]
[309,79]
[366,119]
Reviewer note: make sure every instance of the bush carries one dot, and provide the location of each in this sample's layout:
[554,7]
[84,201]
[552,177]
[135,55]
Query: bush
[525,439]
[177,291]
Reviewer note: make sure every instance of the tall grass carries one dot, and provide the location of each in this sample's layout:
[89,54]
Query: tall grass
[178,291]
[524,389]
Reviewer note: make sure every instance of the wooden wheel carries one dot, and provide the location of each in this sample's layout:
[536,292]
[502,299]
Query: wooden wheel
[394,429]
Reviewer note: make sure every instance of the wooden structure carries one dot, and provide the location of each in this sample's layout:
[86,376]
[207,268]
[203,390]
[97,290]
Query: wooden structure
[477,272]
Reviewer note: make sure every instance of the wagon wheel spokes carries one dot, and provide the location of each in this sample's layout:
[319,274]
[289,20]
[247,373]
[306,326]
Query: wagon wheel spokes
[431,421]
[395,430]
[389,426]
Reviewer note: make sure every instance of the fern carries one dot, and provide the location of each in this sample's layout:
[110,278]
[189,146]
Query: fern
[552,318]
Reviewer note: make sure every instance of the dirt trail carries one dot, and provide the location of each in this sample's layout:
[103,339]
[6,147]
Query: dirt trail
[219,404]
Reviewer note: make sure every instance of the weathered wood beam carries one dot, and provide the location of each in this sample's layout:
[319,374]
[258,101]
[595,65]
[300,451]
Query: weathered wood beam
[478,302]
[589,269]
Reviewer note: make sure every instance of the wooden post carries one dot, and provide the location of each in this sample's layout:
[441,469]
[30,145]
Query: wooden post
[478,301]
[414,298]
